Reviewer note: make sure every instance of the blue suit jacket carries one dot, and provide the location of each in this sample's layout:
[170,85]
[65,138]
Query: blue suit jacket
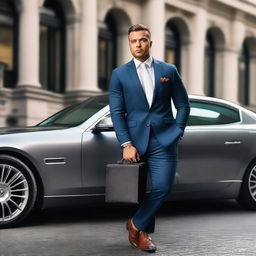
[130,112]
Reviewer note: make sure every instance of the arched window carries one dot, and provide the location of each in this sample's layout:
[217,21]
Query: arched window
[172,45]
[244,67]
[52,47]
[107,51]
[209,66]
[8,38]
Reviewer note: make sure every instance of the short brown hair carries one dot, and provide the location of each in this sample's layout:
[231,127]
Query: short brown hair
[138,27]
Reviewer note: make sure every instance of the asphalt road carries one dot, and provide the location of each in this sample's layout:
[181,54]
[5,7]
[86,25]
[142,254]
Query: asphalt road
[206,228]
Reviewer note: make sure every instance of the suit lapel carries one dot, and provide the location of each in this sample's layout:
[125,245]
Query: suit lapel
[157,71]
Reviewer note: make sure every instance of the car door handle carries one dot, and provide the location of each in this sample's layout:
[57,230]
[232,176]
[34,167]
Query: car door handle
[232,142]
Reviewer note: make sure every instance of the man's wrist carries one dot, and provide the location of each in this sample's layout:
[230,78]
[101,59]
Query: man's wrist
[126,144]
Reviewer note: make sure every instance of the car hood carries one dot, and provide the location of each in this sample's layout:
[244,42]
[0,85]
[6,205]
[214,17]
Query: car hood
[29,129]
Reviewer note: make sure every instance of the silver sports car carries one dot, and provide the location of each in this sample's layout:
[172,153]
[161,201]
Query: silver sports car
[61,161]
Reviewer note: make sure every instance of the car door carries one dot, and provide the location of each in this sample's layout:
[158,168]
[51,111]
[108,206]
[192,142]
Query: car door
[99,147]
[212,148]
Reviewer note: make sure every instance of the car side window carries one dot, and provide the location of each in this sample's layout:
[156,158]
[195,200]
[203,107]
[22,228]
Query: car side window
[211,114]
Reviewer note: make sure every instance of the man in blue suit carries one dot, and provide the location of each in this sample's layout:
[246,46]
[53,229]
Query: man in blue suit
[140,105]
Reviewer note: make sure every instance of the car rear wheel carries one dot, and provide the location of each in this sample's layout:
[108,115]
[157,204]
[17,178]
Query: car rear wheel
[247,196]
[18,191]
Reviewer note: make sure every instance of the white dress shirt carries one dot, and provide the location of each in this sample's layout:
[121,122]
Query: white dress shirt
[150,68]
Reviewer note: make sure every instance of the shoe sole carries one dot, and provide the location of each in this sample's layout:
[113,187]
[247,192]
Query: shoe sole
[150,251]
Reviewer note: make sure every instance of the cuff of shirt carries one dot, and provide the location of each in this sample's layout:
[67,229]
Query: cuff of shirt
[126,143]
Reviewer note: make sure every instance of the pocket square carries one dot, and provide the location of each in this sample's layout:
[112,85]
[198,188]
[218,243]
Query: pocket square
[164,79]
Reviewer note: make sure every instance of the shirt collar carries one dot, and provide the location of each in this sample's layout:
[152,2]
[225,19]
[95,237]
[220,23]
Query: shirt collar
[148,62]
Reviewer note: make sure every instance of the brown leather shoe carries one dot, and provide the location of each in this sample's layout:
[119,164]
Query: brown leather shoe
[145,242]
[133,233]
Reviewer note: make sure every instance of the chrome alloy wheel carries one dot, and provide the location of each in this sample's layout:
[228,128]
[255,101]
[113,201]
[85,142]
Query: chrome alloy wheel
[252,183]
[14,192]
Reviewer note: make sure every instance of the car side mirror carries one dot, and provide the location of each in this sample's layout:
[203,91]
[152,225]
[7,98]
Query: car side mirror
[104,125]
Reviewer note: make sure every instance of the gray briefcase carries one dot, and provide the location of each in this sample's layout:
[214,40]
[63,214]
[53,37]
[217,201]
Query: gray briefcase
[125,182]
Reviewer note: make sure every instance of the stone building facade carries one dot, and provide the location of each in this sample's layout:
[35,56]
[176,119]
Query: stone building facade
[57,52]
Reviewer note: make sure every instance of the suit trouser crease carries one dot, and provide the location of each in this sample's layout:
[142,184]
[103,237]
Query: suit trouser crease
[162,165]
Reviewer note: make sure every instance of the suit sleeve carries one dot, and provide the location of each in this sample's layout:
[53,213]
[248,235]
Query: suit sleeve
[180,100]
[117,109]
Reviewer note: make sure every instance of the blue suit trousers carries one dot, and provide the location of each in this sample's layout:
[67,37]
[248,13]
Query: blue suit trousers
[162,165]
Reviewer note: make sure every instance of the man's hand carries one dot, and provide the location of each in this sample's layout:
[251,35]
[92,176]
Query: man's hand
[131,154]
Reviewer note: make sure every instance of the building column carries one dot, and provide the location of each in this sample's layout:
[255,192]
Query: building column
[155,10]
[196,53]
[72,53]
[231,61]
[28,60]
[88,64]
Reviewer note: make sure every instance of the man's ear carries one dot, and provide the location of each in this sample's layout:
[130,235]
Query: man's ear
[151,42]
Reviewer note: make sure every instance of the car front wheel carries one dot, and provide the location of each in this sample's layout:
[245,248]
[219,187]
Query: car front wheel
[247,196]
[18,191]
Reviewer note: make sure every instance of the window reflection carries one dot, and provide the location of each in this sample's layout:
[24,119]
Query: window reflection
[172,45]
[170,56]
[43,55]
[6,47]
[211,114]
[209,66]
[52,47]
[243,71]
[7,44]
[107,51]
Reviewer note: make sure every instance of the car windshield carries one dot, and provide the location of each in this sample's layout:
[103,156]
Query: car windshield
[78,113]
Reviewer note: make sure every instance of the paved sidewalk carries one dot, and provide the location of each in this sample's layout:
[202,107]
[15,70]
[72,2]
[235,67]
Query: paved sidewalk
[183,228]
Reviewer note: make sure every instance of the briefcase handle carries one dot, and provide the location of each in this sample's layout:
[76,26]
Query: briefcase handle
[123,161]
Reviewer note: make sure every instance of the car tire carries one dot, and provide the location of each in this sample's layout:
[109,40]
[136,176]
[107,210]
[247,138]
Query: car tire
[247,195]
[18,191]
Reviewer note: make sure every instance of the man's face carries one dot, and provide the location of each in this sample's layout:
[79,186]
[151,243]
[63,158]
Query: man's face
[140,44]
